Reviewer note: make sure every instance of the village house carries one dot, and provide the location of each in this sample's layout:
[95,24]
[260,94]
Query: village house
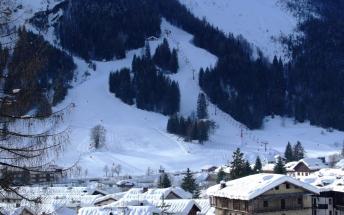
[268,194]
[305,167]
[50,174]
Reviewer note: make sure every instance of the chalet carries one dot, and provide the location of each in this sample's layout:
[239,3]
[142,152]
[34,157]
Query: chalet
[105,200]
[304,167]
[50,174]
[262,194]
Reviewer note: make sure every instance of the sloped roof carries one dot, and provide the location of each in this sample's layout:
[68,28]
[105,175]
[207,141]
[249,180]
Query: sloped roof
[130,210]
[155,194]
[178,206]
[313,163]
[107,197]
[252,186]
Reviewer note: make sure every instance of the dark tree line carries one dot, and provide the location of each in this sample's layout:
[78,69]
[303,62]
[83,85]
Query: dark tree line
[315,73]
[37,69]
[245,88]
[146,87]
[308,88]
[165,58]
[105,29]
[189,128]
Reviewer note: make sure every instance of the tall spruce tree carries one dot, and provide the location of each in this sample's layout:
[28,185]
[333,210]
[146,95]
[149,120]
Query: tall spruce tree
[202,131]
[247,169]
[279,167]
[288,154]
[299,152]
[237,165]
[164,181]
[202,112]
[257,166]
[189,183]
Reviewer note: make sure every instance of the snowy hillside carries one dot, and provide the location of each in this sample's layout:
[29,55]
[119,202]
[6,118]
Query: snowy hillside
[137,139]
[260,22]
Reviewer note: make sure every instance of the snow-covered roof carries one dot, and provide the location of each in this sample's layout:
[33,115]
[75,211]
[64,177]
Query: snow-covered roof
[269,167]
[107,197]
[19,211]
[290,165]
[178,206]
[326,179]
[313,163]
[204,205]
[54,199]
[340,164]
[252,186]
[155,194]
[130,210]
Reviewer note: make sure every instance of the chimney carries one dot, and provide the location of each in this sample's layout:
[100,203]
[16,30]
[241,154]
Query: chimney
[222,184]
[144,189]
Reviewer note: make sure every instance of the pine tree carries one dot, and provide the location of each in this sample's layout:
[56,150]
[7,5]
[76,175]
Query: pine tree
[258,165]
[164,181]
[288,154]
[247,169]
[279,167]
[147,51]
[202,112]
[299,152]
[202,132]
[173,63]
[196,194]
[173,125]
[221,176]
[237,165]
[189,183]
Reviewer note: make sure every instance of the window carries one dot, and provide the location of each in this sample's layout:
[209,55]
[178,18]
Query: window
[236,204]
[282,204]
[266,204]
[287,185]
[314,201]
[322,206]
[277,188]
[330,201]
[330,213]
[299,201]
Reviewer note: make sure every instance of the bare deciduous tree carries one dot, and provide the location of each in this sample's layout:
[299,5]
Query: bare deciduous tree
[98,136]
[106,170]
[28,143]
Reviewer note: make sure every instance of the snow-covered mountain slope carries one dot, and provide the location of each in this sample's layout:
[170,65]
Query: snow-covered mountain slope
[260,22]
[137,139]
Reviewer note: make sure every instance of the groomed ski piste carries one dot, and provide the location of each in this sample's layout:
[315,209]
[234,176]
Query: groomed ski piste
[137,139]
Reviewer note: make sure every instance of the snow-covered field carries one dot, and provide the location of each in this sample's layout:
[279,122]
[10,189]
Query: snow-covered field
[137,139]
[260,22]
